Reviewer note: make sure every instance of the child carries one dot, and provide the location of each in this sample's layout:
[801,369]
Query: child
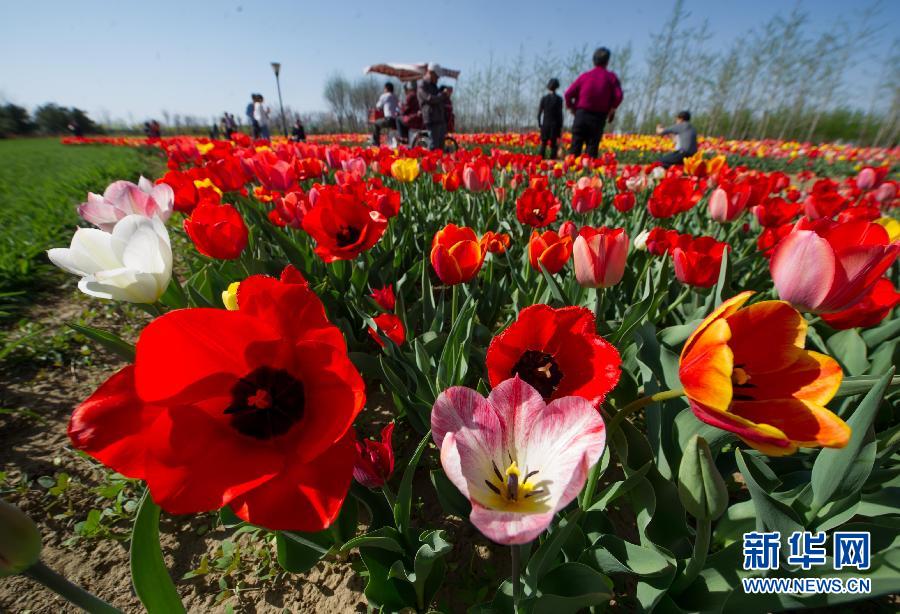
[550,118]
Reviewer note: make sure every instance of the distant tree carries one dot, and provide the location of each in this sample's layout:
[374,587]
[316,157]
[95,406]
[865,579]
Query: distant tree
[337,95]
[54,119]
[14,120]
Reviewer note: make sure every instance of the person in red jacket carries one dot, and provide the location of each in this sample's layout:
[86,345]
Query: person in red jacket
[593,97]
[410,113]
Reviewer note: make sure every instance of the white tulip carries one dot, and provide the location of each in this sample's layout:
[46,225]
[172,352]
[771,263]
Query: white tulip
[132,263]
[640,241]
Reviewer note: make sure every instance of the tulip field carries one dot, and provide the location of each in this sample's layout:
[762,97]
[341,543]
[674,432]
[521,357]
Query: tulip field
[483,381]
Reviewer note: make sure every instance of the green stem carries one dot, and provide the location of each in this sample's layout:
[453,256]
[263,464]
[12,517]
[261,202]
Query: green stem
[69,591]
[454,300]
[598,305]
[389,496]
[590,486]
[516,580]
[698,556]
[674,304]
[641,403]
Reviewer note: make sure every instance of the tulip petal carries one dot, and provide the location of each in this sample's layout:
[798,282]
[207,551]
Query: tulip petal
[706,370]
[805,424]
[785,330]
[722,311]
[306,496]
[803,268]
[509,528]
[811,377]
[763,437]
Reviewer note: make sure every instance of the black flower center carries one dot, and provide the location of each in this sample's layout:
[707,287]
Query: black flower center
[347,235]
[266,403]
[540,370]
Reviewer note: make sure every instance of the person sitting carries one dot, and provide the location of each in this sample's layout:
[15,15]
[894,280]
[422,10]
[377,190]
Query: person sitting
[387,104]
[410,113]
[550,118]
[685,139]
[298,133]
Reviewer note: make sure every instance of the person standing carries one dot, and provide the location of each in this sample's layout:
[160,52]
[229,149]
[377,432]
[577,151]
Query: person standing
[594,97]
[261,116]
[432,102]
[390,106]
[251,107]
[550,118]
[298,134]
[685,139]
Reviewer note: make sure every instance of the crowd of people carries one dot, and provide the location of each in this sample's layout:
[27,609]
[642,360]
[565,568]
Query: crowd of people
[592,99]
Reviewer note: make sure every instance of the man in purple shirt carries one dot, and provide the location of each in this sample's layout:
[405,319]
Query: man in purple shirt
[594,97]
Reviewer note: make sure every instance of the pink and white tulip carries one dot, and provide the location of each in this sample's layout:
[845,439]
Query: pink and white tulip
[600,255]
[825,267]
[123,198]
[517,459]
[727,205]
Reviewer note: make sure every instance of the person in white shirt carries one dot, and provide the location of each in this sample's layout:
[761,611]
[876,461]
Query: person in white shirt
[261,116]
[390,106]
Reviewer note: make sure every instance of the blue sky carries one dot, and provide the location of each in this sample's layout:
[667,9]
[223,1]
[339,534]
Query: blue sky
[131,59]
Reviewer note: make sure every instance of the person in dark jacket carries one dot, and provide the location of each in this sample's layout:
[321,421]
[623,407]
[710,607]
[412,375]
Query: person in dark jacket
[550,118]
[299,132]
[594,97]
[432,102]
[410,113]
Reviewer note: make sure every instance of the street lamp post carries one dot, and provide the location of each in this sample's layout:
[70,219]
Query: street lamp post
[276,67]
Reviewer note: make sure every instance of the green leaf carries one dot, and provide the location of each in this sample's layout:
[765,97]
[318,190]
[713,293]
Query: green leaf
[612,554]
[385,538]
[620,488]
[110,341]
[404,493]
[299,552]
[174,295]
[858,384]
[571,587]
[832,466]
[723,285]
[451,500]
[849,348]
[149,575]
[555,290]
[544,557]
[771,513]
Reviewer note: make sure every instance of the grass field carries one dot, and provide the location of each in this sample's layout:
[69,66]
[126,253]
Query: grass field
[41,182]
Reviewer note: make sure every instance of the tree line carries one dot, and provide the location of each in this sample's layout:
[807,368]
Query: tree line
[49,118]
[781,79]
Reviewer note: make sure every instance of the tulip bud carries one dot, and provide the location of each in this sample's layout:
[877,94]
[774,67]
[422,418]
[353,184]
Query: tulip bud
[700,486]
[375,460]
[640,241]
[20,540]
[600,256]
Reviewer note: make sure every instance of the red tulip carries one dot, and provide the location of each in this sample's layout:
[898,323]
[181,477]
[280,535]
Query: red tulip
[825,267]
[391,326]
[342,226]
[556,351]
[550,250]
[385,297]
[587,194]
[672,196]
[728,202]
[495,242]
[870,310]
[775,212]
[290,209]
[249,408]
[537,207]
[624,201]
[698,264]
[375,459]
[824,200]
[456,254]
[218,231]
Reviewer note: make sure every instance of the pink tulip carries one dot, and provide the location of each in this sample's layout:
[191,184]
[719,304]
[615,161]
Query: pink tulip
[587,194]
[517,459]
[866,179]
[886,192]
[477,176]
[600,255]
[727,205]
[123,198]
[825,267]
